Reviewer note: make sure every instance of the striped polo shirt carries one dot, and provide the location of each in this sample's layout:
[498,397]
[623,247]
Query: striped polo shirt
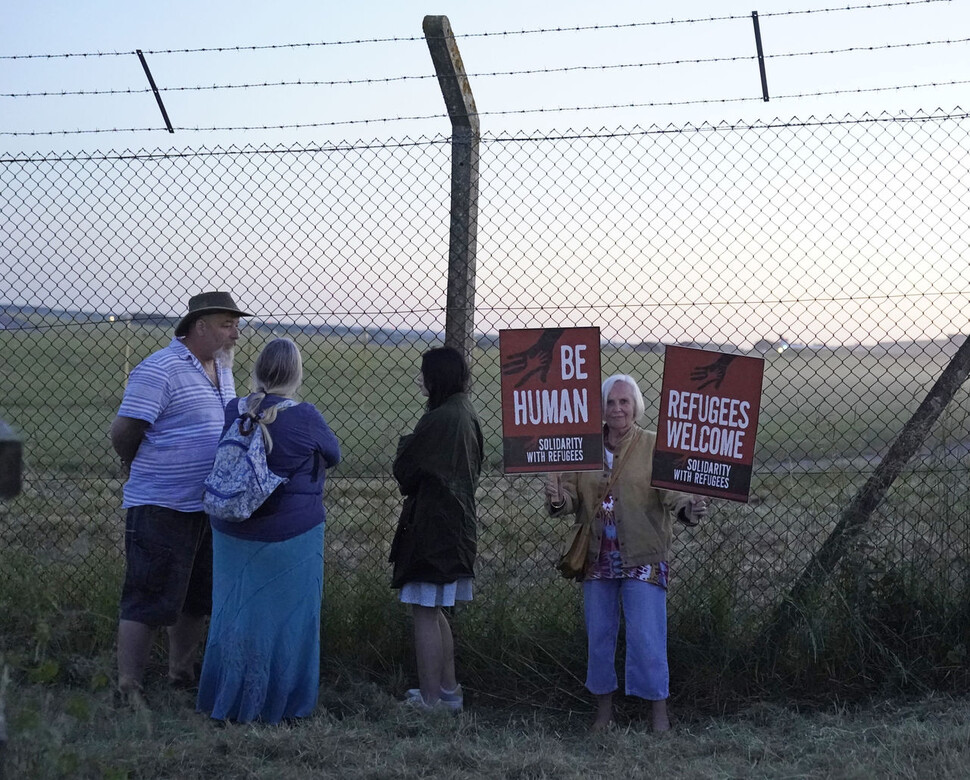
[171,391]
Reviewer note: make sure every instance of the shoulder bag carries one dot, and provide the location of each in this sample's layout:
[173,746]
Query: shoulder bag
[572,563]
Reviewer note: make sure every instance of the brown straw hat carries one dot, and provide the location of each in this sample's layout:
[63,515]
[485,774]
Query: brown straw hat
[207,303]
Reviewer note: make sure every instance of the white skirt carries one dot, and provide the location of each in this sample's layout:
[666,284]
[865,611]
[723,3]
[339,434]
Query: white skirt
[429,594]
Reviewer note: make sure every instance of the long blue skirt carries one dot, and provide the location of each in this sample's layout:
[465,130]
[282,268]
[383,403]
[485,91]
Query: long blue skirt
[262,658]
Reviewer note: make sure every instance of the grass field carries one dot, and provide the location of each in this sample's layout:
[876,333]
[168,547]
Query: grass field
[826,419]
[64,384]
[360,733]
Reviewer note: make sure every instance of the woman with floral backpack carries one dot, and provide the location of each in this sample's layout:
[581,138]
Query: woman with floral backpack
[262,658]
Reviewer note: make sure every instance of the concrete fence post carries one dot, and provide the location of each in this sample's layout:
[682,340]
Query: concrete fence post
[463,238]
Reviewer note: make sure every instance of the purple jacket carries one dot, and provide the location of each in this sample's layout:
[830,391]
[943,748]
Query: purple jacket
[304,447]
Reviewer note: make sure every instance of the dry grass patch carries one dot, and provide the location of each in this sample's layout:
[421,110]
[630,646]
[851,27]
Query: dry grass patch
[362,733]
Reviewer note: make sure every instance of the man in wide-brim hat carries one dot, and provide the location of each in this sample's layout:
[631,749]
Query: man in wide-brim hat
[207,303]
[166,432]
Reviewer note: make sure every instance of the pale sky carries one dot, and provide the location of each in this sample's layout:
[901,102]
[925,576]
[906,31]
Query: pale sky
[635,34]
[679,75]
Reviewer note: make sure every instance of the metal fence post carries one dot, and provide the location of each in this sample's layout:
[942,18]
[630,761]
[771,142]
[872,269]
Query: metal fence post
[463,243]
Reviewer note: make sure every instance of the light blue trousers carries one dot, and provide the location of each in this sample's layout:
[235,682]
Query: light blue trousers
[645,612]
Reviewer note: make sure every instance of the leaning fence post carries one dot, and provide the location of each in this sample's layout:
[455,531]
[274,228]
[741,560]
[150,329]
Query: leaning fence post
[860,508]
[463,240]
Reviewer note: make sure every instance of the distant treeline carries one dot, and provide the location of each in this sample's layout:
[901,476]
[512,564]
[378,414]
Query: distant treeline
[13,317]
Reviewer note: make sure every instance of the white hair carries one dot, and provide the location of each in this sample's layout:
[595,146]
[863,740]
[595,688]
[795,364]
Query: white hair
[278,370]
[638,405]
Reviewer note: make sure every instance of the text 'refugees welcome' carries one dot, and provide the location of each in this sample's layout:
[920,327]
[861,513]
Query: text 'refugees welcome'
[707,424]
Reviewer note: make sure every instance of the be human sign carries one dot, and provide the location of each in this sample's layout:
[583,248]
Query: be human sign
[707,423]
[551,406]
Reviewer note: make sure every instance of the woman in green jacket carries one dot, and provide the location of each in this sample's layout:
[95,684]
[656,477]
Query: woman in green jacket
[626,561]
[433,552]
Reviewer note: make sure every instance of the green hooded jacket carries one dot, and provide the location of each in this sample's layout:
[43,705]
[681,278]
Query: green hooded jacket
[437,468]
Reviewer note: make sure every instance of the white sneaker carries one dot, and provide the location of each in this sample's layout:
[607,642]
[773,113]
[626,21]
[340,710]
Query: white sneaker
[413,698]
[449,700]
[452,700]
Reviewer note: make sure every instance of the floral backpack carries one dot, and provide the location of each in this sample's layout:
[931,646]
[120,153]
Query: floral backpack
[240,480]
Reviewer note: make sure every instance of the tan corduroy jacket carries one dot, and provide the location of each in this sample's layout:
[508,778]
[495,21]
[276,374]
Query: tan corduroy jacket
[644,515]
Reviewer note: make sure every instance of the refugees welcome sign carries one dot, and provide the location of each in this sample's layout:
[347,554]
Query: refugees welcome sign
[708,419]
[551,407]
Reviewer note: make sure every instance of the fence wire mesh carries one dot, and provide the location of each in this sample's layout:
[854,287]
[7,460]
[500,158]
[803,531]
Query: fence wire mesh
[835,249]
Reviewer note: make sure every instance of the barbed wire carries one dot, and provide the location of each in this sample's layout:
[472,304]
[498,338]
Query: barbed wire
[504,33]
[233,128]
[486,74]
[253,151]
[960,114]
[506,112]
[710,101]
[940,116]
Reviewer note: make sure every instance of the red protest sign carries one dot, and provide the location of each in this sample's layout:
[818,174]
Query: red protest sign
[551,406]
[708,419]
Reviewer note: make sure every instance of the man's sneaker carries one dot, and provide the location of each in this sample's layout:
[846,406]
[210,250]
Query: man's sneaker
[449,700]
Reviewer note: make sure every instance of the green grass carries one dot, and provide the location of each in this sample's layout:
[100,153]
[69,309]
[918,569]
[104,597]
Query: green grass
[67,382]
[825,419]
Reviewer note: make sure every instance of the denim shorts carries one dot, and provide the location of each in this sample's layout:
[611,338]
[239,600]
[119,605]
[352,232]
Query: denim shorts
[169,565]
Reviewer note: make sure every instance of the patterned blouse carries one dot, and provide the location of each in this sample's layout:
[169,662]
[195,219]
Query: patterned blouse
[609,563]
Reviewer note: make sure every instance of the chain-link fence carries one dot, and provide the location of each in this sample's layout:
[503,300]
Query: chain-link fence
[836,249]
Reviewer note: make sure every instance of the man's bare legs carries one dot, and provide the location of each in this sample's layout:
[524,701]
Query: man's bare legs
[184,639]
[134,648]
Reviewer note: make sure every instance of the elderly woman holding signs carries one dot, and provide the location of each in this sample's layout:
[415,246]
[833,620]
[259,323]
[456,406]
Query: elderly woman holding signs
[632,531]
